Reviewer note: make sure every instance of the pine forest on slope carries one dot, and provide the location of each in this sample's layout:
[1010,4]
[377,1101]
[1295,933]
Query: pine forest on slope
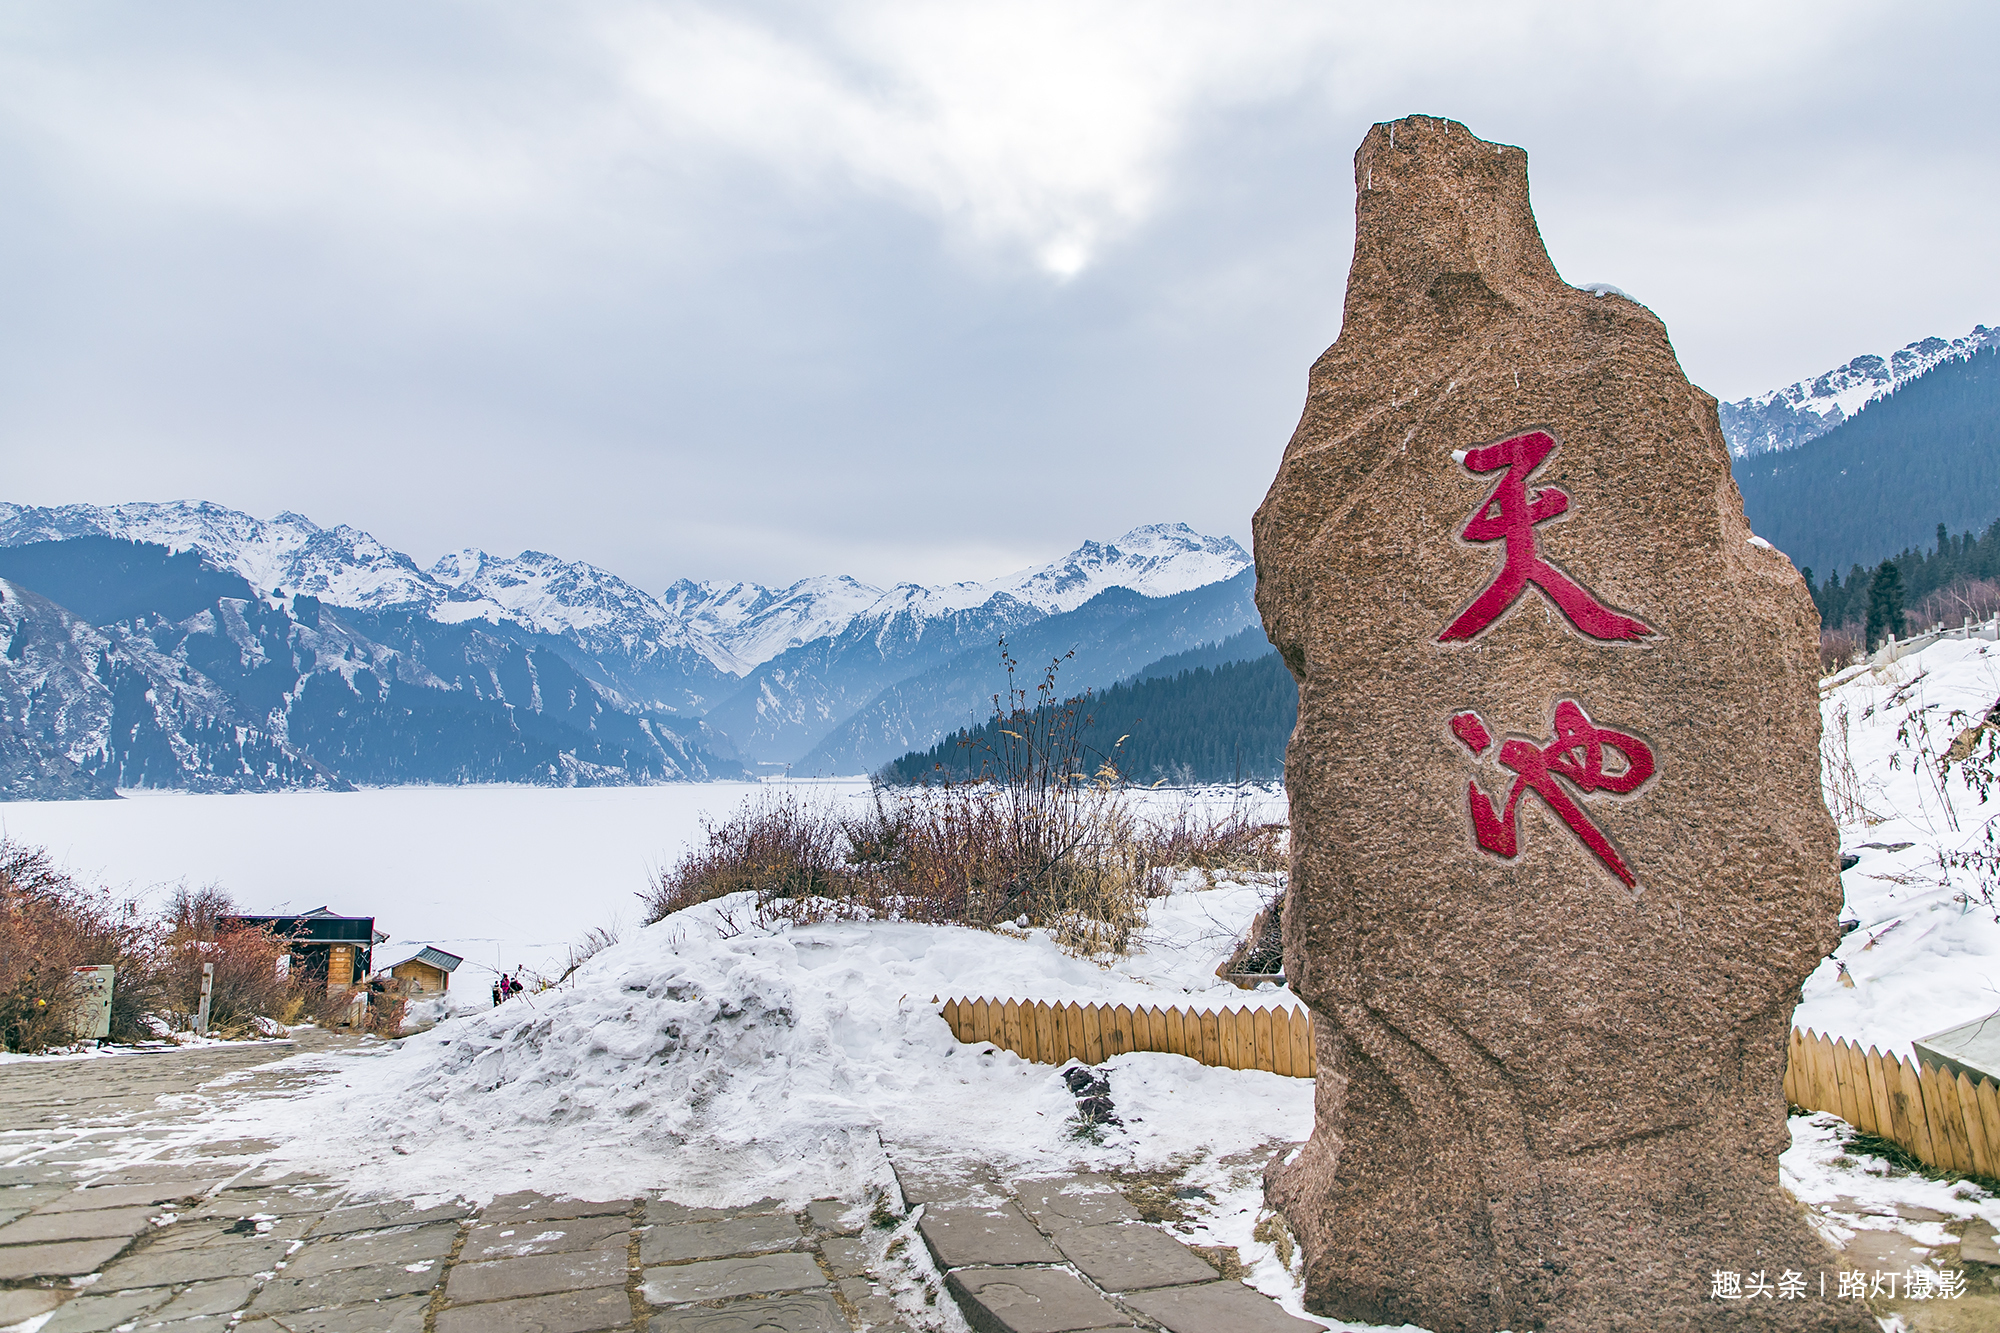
[1929,453]
[1220,713]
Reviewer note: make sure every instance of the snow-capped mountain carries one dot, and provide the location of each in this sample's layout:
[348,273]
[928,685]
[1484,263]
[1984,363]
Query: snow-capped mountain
[1158,560]
[568,598]
[753,624]
[772,671]
[1788,417]
[342,566]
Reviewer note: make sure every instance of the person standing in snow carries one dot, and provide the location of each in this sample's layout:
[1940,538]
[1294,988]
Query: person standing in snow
[499,990]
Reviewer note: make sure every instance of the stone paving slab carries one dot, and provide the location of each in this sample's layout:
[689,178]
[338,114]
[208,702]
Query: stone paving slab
[536,1275]
[218,1231]
[877,1308]
[403,1315]
[1132,1257]
[592,1311]
[713,1240]
[377,1216]
[846,1256]
[816,1313]
[1031,1300]
[288,1201]
[831,1215]
[25,1303]
[369,1249]
[219,1296]
[97,1314]
[349,1286]
[666,1210]
[963,1236]
[528,1205]
[511,1239]
[1217,1307]
[159,1268]
[96,1224]
[1075,1201]
[128,1196]
[715,1279]
[69,1258]
[933,1182]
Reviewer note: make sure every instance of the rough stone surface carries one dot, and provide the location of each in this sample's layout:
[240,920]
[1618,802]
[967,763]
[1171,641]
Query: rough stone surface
[1031,1300]
[155,1268]
[562,1312]
[1217,1307]
[712,1240]
[127,1196]
[376,1216]
[832,1215]
[219,1296]
[1547,1098]
[1075,1201]
[68,1258]
[1131,1257]
[777,1314]
[370,1249]
[514,1239]
[542,1208]
[998,1235]
[96,1224]
[404,1315]
[536,1275]
[715,1279]
[347,1287]
[27,1302]
[846,1257]
[96,1314]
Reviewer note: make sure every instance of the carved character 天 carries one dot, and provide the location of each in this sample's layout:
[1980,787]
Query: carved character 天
[1509,515]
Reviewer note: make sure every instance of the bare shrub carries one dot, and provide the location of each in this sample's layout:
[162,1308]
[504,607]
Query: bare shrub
[778,846]
[1965,599]
[249,982]
[1196,840]
[1839,647]
[49,927]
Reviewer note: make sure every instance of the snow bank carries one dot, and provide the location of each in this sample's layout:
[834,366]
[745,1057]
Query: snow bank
[721,1062]
[1926,952]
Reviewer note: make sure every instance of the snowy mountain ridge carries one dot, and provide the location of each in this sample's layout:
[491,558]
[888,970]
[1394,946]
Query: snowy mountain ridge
[1798,413]
[678,650]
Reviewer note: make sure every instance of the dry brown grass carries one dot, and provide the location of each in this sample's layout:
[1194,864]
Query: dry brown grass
[1035,840]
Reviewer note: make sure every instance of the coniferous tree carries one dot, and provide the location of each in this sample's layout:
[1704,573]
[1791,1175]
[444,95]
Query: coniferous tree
[1885,604]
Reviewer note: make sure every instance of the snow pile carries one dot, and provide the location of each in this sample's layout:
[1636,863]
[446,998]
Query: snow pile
[1925,954]
[781,1060]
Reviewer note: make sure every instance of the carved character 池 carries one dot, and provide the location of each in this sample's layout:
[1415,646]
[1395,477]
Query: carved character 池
[1509,515]
[1576,753]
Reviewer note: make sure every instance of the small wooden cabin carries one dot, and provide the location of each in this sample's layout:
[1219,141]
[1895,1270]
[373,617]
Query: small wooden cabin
[324,944]
[428,972]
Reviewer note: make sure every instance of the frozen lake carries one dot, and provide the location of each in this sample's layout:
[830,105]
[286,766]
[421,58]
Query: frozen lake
[503,876]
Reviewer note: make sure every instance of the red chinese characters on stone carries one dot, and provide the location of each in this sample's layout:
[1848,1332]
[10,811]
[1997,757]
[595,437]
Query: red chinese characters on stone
[1575,755]
[1509,515]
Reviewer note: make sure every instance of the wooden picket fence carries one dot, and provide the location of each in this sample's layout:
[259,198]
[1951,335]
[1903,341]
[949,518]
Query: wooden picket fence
[1942,1119]
[1277,1040]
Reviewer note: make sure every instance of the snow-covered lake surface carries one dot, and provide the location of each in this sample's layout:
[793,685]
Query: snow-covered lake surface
[503,876]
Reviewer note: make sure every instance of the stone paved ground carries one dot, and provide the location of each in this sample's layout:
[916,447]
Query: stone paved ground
[114,1214]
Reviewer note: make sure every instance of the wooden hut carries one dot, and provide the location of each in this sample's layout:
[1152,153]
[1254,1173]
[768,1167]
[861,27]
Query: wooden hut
[427,972]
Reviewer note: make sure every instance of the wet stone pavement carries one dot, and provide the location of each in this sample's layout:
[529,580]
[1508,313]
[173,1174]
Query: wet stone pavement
[118,1212]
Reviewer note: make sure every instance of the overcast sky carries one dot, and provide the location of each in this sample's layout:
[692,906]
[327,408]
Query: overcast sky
[908,291]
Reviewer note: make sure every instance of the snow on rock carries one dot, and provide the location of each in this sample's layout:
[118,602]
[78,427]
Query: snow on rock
[569,598]
[1798,413]
[342,566]
[754,623]
[1925,954]
[781,1059]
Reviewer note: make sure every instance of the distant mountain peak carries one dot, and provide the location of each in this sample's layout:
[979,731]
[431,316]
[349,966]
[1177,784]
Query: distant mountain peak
[1798,413]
